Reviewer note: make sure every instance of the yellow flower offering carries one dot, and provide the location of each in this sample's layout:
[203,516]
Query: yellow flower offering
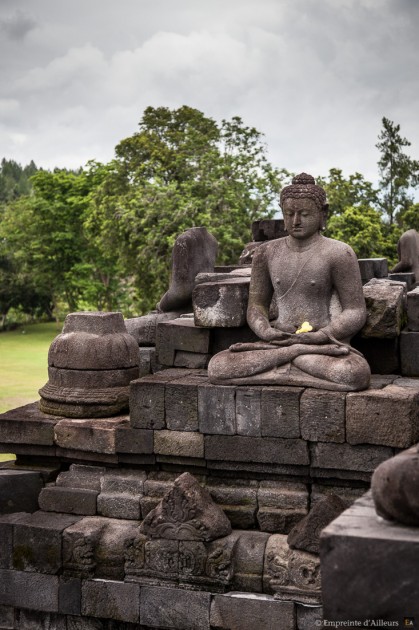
[305,327]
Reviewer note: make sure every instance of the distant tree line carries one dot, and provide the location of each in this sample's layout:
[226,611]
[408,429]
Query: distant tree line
[101,237]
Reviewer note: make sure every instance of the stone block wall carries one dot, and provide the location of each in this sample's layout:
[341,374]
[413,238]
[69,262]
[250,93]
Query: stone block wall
[178,418]
[370,569]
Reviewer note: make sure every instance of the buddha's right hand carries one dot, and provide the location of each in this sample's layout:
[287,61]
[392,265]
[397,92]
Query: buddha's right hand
[272,334]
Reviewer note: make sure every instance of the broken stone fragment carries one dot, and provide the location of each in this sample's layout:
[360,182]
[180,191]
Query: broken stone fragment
[385,309]
[372,268]
[194,251]
[395,488]
[221,304]
[246,256]
[144,328]
[413,310]
[291,574]
[187,512]
[305,535]
[268,229]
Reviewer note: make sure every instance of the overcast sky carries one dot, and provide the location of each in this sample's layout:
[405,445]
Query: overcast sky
[315,76]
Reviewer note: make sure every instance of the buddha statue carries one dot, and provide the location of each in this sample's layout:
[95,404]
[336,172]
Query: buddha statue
[313,284]
[408,254]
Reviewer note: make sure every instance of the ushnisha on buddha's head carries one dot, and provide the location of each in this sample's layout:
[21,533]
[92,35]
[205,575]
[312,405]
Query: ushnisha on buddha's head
[304,207]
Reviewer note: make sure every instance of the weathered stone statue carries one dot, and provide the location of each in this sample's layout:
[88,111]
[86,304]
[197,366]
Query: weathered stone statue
[316,285]
[194,251]
[408,253]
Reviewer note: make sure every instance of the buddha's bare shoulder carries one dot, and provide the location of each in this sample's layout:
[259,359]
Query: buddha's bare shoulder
[267,249]
[334,248]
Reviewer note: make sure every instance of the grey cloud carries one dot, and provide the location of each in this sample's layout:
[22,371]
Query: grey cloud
[18,25]
[315,77]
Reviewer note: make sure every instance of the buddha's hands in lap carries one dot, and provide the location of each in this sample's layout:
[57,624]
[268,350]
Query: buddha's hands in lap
[317,337]
[278,339]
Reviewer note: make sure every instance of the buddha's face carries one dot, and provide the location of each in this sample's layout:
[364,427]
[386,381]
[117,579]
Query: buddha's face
[302,217]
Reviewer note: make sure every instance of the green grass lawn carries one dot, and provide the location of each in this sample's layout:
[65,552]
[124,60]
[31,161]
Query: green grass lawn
[24,364]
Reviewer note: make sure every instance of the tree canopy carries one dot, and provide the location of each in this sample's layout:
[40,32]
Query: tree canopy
[101,237]
[398,171]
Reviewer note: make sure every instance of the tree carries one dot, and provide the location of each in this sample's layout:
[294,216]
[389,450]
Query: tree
[181,170]
[15,180]
[342,193]
[398,171]
[362,228]
[43,234]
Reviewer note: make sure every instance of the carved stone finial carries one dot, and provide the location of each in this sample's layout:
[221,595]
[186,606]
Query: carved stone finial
[187,512]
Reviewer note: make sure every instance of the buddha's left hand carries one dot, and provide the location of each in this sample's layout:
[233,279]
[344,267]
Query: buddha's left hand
[316,337]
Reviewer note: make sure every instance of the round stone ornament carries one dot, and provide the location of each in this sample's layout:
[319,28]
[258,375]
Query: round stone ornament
[90,366]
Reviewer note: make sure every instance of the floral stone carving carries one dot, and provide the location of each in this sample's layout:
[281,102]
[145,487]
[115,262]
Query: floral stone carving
[187,512]
[291,574]
[186,539]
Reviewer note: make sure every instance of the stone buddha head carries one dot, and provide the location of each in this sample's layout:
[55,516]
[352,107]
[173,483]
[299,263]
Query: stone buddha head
[304,207]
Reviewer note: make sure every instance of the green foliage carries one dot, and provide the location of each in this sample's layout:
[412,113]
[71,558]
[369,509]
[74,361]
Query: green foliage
[362,228]
[101,237]
[344,193]
[398,171]
[15,179]
[181,170]
[410,218]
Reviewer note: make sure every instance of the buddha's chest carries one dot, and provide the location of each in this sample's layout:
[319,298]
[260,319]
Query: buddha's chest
[305,275]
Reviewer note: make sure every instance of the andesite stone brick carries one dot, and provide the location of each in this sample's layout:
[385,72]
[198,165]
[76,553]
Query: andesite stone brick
[181,404]
[7,618]
[179,443]
[129,440]
[81,476]
[6,537]
[280,409]
[409,353]
[255,612]
[384,301]
[37,541]
[249,557]
[355,549]
[147,397]
[19,490]
[322,416]
[248,411]
[28,425]
[35,591]
[174,608]
[68,500]
[221,304]
[111,599]
[217,409]
[413,310]
[96,435]
[180,334]
[387,417]
[236,448]
[69,596]
[345,457]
